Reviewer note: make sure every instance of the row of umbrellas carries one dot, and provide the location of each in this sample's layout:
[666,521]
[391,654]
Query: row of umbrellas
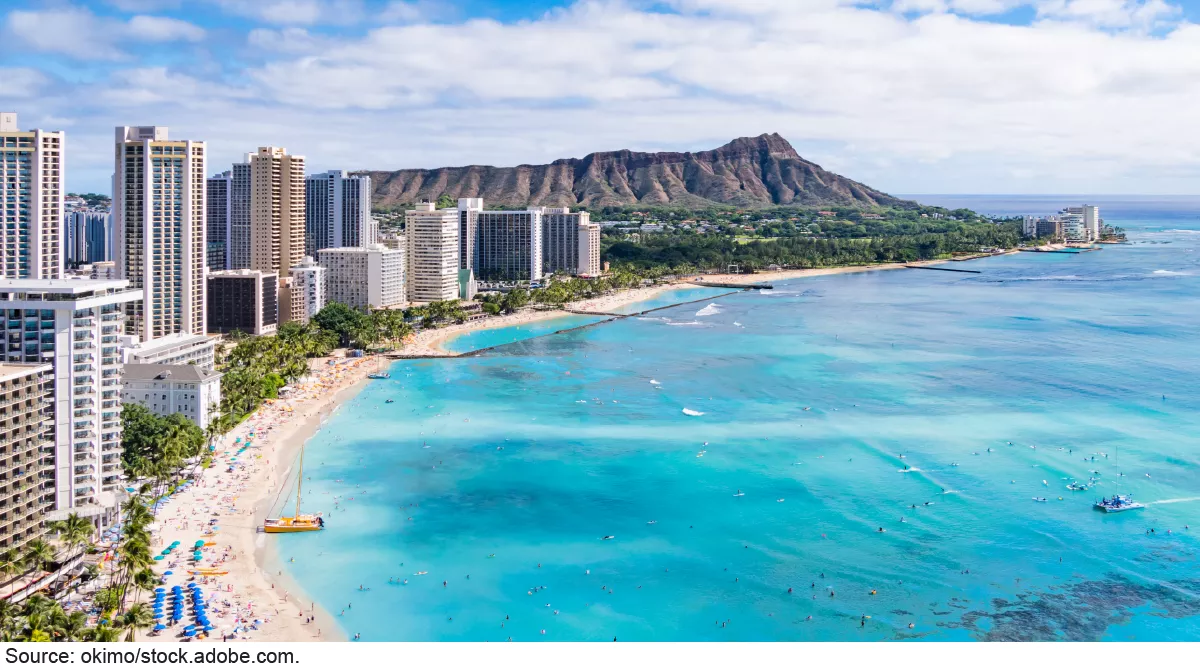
[199,609]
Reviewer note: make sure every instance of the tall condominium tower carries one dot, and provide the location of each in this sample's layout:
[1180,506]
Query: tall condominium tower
[159,223]
[468,213]
[277,220]
[508,245]
[337,211]
[567,241]
[276,210]
[432,246]
[25,391]
[31,201]
[216,255]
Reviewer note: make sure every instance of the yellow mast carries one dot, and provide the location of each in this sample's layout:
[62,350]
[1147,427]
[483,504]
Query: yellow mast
[300,481]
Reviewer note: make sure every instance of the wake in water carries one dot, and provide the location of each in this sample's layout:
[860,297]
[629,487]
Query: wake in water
[1174,500]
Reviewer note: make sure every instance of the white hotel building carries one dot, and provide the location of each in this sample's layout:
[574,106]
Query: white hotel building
[365,277]
[76,325]
[433,253]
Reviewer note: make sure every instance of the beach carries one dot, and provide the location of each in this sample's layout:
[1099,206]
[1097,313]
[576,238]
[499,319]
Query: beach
[226,503]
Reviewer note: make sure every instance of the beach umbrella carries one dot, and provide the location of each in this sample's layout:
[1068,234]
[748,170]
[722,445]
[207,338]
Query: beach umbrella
[168,572]
[159,626]
[189,633]
[159,590]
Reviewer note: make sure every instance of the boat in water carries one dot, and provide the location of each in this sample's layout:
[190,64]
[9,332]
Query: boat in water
[297,523]
[379,375]
[1076,486]
[1118,503]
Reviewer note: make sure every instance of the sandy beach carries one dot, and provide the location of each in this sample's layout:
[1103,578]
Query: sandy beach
[226,504]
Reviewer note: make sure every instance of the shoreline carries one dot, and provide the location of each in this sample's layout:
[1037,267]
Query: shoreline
[430,344]
[236,493]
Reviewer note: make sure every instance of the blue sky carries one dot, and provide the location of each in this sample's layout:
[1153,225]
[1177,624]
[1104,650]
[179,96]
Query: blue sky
[911,96]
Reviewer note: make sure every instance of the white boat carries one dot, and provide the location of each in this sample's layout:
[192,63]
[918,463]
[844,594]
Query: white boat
[692,412]
[1118,503]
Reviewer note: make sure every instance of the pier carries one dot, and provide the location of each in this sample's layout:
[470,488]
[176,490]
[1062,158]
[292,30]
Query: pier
[930,267]
[1071,250]
[732,285]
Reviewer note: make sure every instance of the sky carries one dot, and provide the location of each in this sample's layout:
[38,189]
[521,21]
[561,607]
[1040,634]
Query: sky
[909,96]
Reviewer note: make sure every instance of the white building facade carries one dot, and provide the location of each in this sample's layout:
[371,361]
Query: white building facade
[431,240]
[371,277]
[169,389]
[31,201]
[308,283]
[75,325]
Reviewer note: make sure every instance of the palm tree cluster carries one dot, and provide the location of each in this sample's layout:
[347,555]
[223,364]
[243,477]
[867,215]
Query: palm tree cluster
[365,330]
[157,447]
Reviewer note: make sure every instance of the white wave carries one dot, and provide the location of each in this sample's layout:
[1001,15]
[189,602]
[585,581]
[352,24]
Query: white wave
[1172,273]
[711,309]
[692,412]
[1185,231]
[1175,500]
[683,323]
[655,382]
[766,291]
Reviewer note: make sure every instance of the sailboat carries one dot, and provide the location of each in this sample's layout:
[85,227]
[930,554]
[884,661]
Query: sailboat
[299,523]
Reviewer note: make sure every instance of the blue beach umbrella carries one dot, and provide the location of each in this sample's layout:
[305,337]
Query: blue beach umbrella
[168,572]
[160,590]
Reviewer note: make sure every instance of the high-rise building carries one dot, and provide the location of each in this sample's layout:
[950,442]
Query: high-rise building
[508,245]
[237,237]
[468,212]
[431,237]
[337,211]
[89,236]
[371,277]
[217,187]
[277,220]
[25,412]
[75,325]
[1091,221]
[276,210]
[31,201]
[104,270]
[567,243]
[308,283]
[243,300]
[589,250]
[159,223]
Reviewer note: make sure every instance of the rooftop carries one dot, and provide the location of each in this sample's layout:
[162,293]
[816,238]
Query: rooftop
[73,286]
[10,370]
[144,372]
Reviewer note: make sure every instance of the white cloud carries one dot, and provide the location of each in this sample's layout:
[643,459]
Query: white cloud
[20,82]
[298,12]
[1079,101]
[163,29]
[77,32]
[1143,14]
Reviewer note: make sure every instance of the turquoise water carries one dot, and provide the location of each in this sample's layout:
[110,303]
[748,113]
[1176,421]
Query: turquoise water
[528,455]
[491,337]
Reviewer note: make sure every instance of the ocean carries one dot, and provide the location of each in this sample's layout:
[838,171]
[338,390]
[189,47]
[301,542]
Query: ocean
[859,460]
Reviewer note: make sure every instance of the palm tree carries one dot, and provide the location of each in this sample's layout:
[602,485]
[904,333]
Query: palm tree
[138,616]
[9,613]
[11,565]
[38,554]
[104,633]
[74,531]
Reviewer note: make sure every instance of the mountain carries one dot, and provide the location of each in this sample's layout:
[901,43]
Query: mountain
[748,172]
